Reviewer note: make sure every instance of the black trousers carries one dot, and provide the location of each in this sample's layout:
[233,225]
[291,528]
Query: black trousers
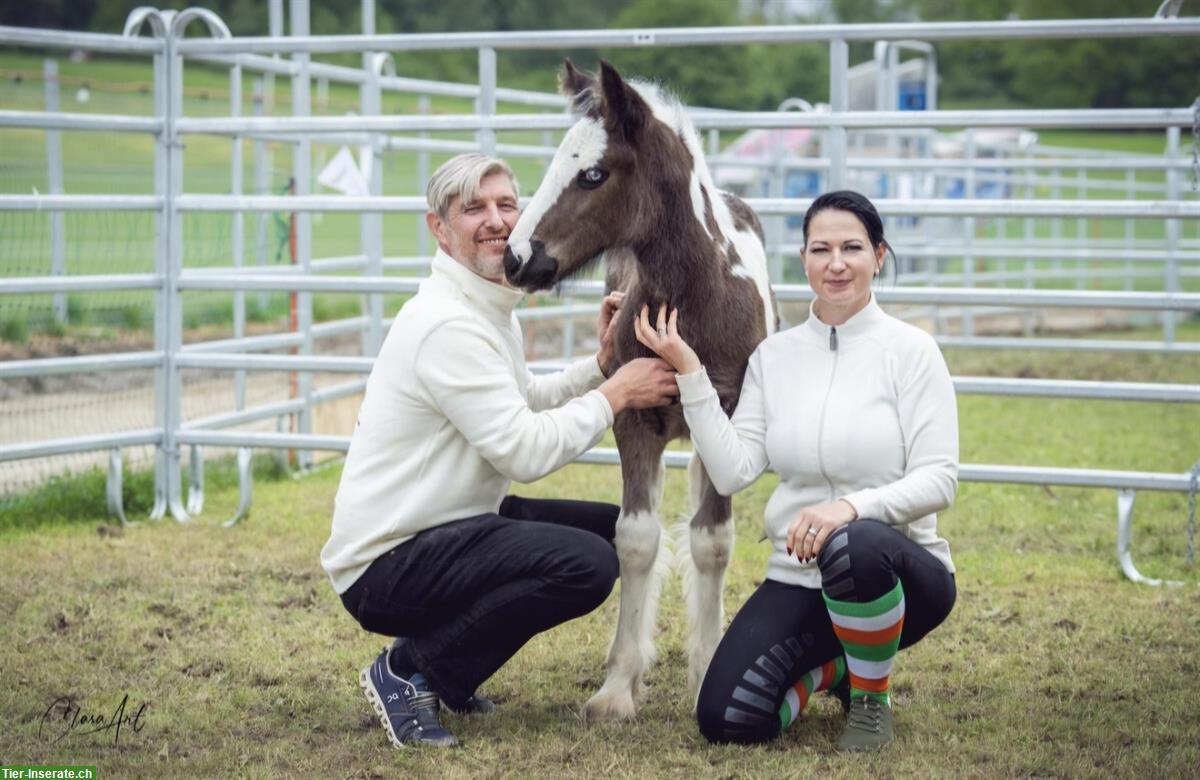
[784,631]
[468,594]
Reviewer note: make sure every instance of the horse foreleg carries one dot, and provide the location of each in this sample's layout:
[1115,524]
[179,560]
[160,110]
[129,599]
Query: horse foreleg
[638,535]
[710,543]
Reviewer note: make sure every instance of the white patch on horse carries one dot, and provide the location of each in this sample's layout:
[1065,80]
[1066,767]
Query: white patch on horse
[698,207]
[753,266]
[752,259]
[582,148]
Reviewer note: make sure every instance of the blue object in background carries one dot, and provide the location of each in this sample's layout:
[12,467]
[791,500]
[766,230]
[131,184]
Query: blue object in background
[800,184]
[912,96]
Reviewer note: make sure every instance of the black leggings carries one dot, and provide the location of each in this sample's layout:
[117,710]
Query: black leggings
[784,631]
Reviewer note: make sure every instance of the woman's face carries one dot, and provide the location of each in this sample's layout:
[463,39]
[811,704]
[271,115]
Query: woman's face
[840,263]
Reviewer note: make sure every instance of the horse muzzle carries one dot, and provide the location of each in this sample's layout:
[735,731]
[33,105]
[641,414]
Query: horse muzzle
[537,272]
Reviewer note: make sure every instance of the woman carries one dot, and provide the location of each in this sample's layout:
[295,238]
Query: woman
[856,412]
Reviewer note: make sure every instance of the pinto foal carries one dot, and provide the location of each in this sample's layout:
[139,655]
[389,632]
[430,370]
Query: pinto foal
[629,182]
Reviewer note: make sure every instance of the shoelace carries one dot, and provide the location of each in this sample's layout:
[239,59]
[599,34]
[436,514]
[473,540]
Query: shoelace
[865,714]
[425,706]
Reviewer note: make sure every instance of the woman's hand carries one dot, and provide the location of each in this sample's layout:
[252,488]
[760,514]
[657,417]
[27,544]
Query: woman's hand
[665,341]
[814,525]
[605,325]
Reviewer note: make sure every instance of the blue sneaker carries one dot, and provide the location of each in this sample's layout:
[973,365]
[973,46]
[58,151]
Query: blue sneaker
[475,705]
[407,710]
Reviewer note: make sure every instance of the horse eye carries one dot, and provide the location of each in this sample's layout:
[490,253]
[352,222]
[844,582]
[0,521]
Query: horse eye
[591,178]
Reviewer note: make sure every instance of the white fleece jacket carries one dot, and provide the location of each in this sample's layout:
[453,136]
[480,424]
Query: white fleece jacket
[866,414]
[451,415]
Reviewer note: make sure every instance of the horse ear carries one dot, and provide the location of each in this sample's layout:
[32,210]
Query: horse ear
[580,88]
[625,111]
[571,82]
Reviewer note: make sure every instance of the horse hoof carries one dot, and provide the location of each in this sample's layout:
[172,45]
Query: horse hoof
[609,705]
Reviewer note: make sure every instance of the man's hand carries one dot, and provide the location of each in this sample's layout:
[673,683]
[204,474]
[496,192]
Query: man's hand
[813,526]
[665,341]
[605,325]
[643,383]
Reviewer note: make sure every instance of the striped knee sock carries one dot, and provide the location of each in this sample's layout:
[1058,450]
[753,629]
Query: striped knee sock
[821,678]
[870,634]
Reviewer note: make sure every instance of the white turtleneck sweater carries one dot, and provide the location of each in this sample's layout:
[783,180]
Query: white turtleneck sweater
[451,415]
[866,414]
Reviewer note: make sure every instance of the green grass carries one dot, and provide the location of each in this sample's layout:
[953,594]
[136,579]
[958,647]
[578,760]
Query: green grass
[1051,664]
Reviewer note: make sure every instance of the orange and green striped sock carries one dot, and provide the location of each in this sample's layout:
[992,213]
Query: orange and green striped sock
[870,634]
[821,678]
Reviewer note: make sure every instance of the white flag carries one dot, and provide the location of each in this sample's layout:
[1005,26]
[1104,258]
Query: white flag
[342,174]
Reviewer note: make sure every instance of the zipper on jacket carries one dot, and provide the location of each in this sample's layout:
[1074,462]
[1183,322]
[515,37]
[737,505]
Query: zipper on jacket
[824,407]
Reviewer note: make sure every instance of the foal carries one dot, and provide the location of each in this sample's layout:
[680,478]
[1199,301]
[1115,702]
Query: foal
[630,182]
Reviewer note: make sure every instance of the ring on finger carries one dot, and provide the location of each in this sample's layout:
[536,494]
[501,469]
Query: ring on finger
[662,332]
[812,531]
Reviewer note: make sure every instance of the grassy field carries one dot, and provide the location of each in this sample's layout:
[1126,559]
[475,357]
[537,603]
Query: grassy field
[1051,665]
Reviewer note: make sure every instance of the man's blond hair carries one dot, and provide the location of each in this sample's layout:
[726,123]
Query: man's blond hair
[460,177]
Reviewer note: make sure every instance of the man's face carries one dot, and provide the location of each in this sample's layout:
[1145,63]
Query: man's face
[475,233]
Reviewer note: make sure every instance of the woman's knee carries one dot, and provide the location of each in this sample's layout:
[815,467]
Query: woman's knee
[856,561]
[861,538]
[723,718]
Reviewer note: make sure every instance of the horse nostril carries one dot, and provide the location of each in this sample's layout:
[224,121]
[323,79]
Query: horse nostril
[511,264]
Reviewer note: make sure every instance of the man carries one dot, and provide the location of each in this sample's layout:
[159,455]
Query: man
[425,546]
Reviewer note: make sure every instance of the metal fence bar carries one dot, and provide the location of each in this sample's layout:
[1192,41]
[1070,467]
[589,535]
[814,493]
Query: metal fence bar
[248,343]
[303,363]
[47,120]
[38,202]
[1061,388]
[787,292]
[916,207]
[285,441]
[123,361]
[697,36]
[22,285]
[971,472]
[277,409]
[1081,345]
[1127,118]
[104,441]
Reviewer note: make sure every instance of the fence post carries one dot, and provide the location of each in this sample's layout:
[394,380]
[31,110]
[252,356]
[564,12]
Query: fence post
[267,159]
[302,173]
[1081,227]
[54,175]
[839,101]
[166,293]
[238,231]
[262,183]
[423,108]
[776,226]
[371,222]
[966,314]
[1171,272]
[487,97]
[173,263]
[1027,319]
[1130,231]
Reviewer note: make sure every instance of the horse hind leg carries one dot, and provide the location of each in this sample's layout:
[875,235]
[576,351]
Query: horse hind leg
[638,549]
[709,548]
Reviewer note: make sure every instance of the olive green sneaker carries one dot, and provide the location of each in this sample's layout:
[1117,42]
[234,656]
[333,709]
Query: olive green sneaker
[868,725]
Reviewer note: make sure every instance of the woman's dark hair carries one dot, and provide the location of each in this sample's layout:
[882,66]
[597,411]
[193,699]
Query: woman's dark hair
[859,206]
